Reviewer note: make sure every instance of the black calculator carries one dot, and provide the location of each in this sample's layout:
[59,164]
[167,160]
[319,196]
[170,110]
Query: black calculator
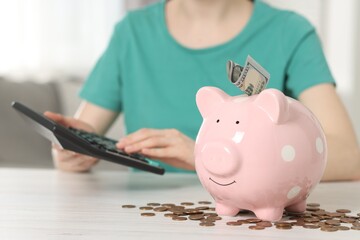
[84,142]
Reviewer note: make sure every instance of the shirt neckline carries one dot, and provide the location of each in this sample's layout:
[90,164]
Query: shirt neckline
[230,42]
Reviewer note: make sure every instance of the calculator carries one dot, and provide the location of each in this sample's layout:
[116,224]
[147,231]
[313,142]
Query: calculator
[83,142]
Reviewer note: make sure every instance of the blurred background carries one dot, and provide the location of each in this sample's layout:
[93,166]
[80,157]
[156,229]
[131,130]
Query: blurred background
[47,48]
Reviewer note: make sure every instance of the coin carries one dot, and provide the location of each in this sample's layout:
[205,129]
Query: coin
[178,213]
[168,205]
[333,222]
[176,209]
[299,222]
[202,208]
[171,215]
[253,220]
[319,213]
[204,202]
[343,228]
[160,209]
[128,206]
[310,226]
[313,204]
[147,214]
[285,227]
[145,208]
[355,228]
[343,211]
[347,220]
[328,229]
[207,224]
[234,223]
[179,218]
[153,204]
[312,209]
[187,203]
[196,216]
[282,223]
[311,220]
[207,220]
[335,214]
[256,227]
[242,221]
[191,211]
[211,214]
[356,224]
[264,224]
[213,218]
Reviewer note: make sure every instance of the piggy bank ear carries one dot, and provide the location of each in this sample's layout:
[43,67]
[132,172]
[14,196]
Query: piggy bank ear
[274,103]
[209,98]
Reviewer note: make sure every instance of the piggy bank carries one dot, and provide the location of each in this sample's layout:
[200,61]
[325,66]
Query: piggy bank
[263,153]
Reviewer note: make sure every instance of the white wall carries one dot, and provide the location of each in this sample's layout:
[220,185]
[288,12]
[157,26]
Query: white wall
[338,25]
[30,32]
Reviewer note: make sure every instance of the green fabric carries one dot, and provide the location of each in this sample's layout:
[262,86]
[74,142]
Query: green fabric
[153,79]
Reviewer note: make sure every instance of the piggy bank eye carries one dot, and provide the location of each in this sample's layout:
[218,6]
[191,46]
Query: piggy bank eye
[237,122]
[218,120]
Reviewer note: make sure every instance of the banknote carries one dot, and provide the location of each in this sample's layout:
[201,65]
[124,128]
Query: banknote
[233,70]
[252,78]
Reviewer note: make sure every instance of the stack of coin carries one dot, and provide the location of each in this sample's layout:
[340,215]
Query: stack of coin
[313,218]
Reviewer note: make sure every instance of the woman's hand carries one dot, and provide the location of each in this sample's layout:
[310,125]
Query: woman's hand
[168,145]
[67,160]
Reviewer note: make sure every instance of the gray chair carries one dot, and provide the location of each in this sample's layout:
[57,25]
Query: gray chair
[20,146]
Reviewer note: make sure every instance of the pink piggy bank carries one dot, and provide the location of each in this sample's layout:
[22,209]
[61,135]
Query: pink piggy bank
[263,153]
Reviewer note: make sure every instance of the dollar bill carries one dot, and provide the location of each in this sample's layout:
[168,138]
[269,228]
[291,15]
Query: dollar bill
[252,78]
[233,70]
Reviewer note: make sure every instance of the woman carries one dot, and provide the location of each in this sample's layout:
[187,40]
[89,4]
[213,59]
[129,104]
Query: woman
[159,56]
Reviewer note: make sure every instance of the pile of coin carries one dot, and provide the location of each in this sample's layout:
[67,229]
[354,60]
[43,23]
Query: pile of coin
[313,218]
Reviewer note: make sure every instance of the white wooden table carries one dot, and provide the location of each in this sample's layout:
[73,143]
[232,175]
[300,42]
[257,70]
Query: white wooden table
[48,204]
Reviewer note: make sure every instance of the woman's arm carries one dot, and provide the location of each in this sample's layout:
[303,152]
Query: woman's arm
[99,118]
[343,148]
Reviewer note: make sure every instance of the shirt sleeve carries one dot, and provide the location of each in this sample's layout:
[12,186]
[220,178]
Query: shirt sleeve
[307,65]
[103,87]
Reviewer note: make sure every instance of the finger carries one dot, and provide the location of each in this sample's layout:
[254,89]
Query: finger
[158,153]
[77,164]
[85,162]
[137,136]
[89,162]
[55,117]
[62,120]
[151,142]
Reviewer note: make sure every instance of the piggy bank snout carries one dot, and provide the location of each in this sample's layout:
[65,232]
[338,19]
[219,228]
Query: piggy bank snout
[220,159]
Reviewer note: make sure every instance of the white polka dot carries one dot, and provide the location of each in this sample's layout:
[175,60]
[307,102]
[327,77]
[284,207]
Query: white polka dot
[293,192]
[319,145]
[288,153]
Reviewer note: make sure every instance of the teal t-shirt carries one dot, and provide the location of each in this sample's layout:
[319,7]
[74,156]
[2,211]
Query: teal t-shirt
[146,74]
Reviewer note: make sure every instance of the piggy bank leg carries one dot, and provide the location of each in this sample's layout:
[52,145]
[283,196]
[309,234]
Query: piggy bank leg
[297,207]
[225,210]
[269,214]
